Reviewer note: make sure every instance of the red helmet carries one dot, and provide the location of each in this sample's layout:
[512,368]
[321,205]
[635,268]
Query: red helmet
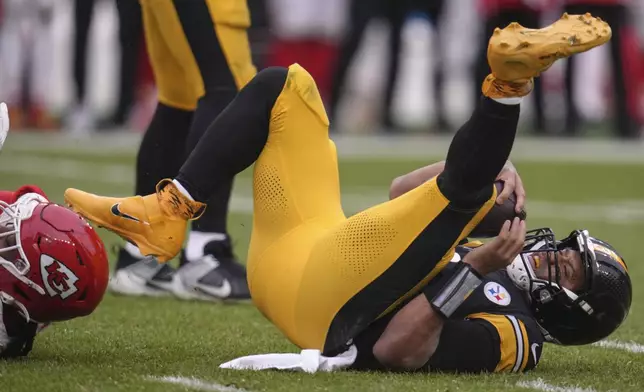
[53,265]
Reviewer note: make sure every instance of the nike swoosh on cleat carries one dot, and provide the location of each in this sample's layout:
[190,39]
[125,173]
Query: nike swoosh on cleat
[117,212]
[224,291]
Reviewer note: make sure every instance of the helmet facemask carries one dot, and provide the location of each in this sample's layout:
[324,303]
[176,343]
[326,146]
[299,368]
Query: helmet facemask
[12,254]
[59,269]
[548,295]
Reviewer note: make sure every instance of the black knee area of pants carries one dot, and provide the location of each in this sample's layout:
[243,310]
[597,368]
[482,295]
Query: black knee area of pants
[272,81]
[235,138]
[459,197]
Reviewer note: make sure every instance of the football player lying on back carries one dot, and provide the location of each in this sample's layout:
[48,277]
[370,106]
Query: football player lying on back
[319,276]
[570,292]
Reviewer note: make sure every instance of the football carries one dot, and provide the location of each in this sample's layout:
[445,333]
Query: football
[493,221]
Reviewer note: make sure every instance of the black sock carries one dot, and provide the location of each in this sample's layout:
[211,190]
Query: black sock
[235,139]
[478,152]
[214,219]
[161,152]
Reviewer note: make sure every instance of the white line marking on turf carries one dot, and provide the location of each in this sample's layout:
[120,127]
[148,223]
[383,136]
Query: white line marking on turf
[70,169]
[618,212]
[626,346]
[543,386]
[368,146]
[195,383]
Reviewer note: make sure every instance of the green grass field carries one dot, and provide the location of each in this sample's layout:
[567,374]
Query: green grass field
[128,342]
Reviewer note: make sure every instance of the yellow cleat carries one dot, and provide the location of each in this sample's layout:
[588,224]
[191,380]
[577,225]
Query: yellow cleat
[155,223]
[517,54]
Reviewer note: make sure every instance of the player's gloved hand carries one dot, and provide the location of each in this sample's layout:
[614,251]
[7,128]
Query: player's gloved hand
[501,251]
[4,123]
[511,183]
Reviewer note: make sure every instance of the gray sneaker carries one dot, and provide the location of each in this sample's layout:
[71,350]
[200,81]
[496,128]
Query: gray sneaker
[214,277]
[141,277]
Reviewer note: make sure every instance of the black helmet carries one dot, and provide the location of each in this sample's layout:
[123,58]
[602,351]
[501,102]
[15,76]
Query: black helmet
[592,312]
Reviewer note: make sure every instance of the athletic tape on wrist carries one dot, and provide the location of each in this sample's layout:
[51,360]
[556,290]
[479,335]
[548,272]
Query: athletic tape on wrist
[464,280]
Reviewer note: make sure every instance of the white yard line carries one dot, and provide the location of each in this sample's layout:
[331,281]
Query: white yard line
[626,212]
[70,169]
[615,212]
[365,146]
[122,176]
[194,383]
[631,346]
[541,385]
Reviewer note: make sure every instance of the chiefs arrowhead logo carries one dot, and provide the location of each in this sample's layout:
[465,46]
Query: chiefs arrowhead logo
[58,279]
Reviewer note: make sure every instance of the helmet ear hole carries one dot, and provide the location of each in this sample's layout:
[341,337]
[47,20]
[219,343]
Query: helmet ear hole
[83,295]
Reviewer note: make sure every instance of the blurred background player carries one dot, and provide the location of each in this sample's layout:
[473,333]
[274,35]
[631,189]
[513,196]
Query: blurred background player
[501,13]
[200,57]
[435,13]
[98,64]
[360,14]
[625,62]
[308,34]
[26,73]
[130,38]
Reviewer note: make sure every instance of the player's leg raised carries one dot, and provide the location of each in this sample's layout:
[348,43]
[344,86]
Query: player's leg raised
[156,223]
[296,197]
[365,266]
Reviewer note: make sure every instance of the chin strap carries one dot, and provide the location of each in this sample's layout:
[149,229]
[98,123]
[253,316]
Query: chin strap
[11,301]
[547,336]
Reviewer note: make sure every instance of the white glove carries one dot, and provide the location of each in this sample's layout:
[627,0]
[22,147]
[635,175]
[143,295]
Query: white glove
[4,123]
